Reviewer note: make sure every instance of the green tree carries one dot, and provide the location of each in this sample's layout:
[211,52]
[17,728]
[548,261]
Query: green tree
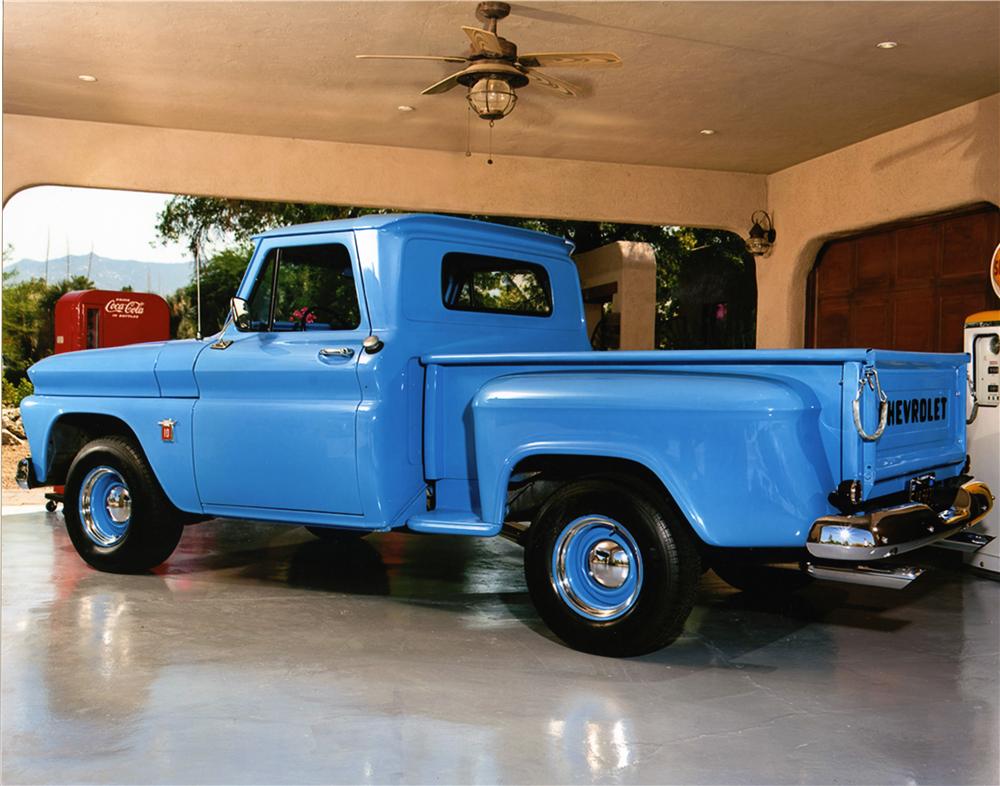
[220,276]
[29,320]
[200,221]
[12,394]
[22,324]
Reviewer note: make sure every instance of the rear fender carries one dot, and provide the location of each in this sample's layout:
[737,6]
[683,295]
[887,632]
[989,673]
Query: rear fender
[748,459]
[56,426]
[593,450]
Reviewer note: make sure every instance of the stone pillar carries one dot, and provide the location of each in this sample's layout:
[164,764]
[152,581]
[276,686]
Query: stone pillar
[626,271]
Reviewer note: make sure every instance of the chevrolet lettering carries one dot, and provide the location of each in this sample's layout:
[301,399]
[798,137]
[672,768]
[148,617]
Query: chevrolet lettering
[434,375]
[917,410]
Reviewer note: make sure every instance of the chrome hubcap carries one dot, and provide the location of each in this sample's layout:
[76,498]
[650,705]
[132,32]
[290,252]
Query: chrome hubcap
[119,504]
[597,568]
[105,506]
[609,564]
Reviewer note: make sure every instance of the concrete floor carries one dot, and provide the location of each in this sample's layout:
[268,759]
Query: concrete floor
[261,655]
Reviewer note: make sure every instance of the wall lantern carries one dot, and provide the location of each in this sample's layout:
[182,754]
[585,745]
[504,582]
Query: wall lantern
[492,98]
[762,234]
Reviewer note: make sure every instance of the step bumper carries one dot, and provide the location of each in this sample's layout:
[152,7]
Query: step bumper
[878,534]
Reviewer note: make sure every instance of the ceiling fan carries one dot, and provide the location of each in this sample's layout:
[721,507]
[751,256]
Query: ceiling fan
[494,69]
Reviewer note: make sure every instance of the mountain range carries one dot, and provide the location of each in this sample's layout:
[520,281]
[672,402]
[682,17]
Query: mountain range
[163,278]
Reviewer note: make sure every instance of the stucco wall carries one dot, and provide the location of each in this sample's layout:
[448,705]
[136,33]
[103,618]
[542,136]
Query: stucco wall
[940,163]
[40,151]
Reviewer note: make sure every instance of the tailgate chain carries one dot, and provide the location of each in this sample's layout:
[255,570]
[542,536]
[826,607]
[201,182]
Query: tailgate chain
[870,378]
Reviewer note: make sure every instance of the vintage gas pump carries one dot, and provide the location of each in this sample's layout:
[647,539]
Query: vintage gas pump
[94,318]
[982,343]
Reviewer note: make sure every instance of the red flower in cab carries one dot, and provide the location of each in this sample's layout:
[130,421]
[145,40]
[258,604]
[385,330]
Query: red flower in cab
[304,316]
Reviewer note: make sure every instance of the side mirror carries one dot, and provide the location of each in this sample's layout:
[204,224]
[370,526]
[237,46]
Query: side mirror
[240,312]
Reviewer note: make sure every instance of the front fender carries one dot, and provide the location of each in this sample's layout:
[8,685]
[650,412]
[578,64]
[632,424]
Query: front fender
[172,462]
[748,459]
[113,371]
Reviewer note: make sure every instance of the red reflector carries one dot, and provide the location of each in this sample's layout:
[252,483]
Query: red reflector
[167,430]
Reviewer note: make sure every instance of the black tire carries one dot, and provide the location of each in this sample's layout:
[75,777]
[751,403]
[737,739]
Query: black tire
[762,580]
[154,525]
[51,506]
[333,535]
[668,558]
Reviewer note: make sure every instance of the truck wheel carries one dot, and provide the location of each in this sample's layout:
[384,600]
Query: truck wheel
[762,579]
[117,516]
[334,535]
[610,570]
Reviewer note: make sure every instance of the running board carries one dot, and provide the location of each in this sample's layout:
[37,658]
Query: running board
[450,522]
[887,577]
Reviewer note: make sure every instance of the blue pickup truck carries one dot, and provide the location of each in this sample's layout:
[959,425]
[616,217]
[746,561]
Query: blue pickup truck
[434,374]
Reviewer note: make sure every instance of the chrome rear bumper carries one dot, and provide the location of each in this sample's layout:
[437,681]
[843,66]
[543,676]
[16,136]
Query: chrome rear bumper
[884,533]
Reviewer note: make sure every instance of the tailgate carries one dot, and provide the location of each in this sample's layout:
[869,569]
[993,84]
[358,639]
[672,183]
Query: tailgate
[925,422]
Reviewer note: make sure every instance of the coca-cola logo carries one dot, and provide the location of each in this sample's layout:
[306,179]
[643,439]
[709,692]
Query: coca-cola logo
[125,307]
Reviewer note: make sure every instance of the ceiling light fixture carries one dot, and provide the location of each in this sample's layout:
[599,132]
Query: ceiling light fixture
[87,78]
[707,131]
[404,108]
[760,239]
[886,45]
[492,98]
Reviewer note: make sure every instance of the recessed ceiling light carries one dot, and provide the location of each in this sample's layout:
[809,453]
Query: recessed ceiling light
[404,108]
[87,78]
[707,131]
[886,45]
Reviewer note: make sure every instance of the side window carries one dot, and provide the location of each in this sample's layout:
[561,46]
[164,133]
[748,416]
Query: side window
[470,282]
[305,288]
[260,300]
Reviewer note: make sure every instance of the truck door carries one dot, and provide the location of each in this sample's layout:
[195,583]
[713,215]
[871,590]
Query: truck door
[274,426]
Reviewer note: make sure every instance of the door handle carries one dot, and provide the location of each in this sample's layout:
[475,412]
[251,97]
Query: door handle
[336,352]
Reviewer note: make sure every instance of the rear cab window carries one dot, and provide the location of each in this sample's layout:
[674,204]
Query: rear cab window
[493,285]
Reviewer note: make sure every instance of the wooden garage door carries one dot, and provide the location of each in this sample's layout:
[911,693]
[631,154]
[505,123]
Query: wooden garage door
[908,286]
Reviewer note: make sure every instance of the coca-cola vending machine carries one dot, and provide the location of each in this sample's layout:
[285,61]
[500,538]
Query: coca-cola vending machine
[95,318]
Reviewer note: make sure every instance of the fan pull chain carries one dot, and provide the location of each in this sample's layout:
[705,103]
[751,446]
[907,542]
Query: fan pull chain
[468,131]
[490,159]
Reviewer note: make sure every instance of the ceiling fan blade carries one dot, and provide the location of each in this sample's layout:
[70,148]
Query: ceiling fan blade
[483,41]
[443,86]
[439,58]
[558,85]
[571,59]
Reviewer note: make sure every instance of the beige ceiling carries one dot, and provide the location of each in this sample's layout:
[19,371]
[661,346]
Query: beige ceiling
[779,82]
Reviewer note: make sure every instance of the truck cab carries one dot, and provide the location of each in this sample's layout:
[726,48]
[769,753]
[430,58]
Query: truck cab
[300,370]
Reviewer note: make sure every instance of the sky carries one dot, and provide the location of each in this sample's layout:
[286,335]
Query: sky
[116,224]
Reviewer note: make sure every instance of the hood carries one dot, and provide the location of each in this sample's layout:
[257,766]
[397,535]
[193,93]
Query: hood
[162,368]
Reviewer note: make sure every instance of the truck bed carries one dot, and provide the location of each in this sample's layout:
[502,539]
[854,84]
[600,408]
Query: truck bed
[750,443]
